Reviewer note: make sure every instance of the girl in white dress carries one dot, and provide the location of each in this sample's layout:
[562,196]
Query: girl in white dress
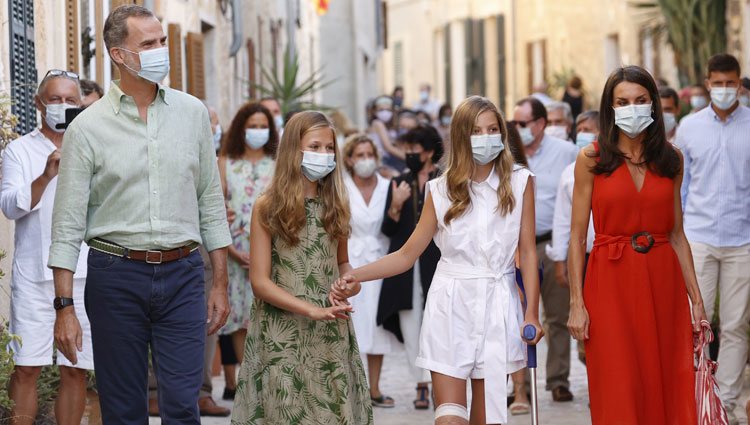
[367,196]
[479,213]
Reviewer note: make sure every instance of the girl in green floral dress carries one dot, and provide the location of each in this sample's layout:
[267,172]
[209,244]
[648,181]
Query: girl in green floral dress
[301,363]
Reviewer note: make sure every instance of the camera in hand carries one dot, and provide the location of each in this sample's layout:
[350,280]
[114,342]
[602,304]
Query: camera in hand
[70,115]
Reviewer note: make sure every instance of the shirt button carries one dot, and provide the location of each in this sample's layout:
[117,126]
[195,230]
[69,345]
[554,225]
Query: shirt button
[154,192]
[153,217]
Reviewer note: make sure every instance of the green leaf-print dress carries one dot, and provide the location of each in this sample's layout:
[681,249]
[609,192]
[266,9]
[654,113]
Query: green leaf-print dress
[297,370]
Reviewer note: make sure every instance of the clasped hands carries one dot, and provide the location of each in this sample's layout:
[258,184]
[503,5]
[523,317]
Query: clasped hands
[342,289]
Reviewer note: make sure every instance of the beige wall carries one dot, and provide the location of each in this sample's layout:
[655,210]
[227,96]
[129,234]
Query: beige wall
[575,32]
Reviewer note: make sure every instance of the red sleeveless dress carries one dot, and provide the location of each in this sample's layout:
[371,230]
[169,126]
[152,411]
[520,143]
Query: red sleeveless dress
[640,351]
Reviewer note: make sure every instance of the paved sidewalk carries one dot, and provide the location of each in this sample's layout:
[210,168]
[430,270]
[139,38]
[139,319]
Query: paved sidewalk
[393,383]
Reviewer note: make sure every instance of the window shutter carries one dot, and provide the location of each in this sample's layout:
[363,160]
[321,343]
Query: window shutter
[71,34]
[174,40]
[196,83]
[23,64]
[398,63]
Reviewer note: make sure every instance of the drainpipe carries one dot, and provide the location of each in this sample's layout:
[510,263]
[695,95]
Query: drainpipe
[236,28]
[291,21]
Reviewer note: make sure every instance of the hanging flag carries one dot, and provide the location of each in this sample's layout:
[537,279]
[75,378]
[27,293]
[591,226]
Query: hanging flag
[321,6]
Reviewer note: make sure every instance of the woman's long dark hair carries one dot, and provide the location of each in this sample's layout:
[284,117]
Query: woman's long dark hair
[233,145]
[658,154]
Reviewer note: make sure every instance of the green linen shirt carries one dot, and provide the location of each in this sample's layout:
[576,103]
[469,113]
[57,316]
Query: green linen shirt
[142,185]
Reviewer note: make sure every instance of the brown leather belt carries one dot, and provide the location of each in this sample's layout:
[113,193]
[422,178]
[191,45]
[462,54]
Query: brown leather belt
[148,256]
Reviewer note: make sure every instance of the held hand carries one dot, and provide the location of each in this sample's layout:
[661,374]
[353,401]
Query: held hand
[218,309]
[68,334]
[699,314]
[245,260]
[230,214]
[53,165]
[578,323]
[561,273]
[400,193]
[348,286]
[331,313]
[533,321]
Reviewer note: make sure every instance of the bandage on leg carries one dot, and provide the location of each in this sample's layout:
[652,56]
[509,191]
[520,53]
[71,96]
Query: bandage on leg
[450,414]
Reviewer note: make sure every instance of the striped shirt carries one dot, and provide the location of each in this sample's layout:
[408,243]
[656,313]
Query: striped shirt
[142,185]
[716,185]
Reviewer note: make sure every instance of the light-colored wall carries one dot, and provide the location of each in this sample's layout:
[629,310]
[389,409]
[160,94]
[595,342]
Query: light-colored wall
[575,32]
[348,35]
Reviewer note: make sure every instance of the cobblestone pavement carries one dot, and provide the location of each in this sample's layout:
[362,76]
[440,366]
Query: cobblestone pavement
[402,390]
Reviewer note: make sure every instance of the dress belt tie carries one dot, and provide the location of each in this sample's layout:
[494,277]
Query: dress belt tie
[641,242]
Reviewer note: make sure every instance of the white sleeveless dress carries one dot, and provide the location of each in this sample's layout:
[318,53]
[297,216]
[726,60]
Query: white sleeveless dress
[366,245]
[473,317]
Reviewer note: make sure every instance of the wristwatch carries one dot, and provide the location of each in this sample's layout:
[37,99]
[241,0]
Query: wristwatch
[61,302]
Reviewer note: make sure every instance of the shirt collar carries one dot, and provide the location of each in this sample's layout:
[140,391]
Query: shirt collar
[730,117]
[116,94]
[492,180]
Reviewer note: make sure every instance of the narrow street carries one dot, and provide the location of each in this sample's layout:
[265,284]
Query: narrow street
[394,385]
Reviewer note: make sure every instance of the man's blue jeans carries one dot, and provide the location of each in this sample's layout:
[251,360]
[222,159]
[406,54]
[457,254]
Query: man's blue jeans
[134,306]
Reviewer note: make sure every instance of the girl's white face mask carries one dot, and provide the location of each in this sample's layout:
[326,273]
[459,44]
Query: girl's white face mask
[315,165]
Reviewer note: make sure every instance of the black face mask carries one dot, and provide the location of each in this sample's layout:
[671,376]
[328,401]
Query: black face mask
[414,162]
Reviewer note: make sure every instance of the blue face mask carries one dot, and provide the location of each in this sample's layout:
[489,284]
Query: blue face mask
[584,139]
[315,165]
[154,64]
[278,120]
[217,138]
[256,138]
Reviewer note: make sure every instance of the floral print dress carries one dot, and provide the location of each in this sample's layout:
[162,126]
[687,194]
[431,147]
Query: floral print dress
[245,182]
[298,371]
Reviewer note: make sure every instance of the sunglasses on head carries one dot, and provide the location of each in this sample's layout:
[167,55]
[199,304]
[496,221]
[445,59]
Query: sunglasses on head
[61,73]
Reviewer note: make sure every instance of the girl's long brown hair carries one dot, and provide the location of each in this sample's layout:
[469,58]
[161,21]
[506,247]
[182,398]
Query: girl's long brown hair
[461,160]
[282,208]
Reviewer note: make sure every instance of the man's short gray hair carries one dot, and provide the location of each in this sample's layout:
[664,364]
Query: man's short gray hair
[116,26]
[556,106]
[42,87]
[592,115]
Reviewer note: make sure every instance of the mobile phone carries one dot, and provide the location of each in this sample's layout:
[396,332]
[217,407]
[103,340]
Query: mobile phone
[70,115]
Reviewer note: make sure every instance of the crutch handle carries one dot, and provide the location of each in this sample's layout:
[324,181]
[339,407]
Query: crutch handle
[529,333]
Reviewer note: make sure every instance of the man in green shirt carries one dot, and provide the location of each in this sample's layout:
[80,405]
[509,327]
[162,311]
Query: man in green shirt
[138,182]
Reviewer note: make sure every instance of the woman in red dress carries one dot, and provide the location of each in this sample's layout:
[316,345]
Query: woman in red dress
[633,311]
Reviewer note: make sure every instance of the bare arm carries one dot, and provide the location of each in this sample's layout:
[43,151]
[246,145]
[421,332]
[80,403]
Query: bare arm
[235,254]
[529,261]
[682,248]
[265,289]
[403,259]
[578,323]
[388,144]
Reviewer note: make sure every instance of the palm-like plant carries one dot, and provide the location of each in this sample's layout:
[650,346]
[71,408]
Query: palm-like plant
[695,29]
[291,95]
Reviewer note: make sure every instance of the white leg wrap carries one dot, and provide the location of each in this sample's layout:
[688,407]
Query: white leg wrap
[452,409]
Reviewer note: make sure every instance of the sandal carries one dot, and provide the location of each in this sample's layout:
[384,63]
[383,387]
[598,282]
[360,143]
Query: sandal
[382,401]
[423,402]
[518,408]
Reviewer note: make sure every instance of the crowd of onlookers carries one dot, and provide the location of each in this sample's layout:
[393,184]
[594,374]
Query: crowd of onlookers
[387,167]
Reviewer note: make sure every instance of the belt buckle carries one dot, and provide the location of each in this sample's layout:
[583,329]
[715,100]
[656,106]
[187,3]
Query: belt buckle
[161,256]
[642,248]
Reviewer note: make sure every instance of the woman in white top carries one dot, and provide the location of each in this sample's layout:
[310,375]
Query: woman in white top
[479,213]
[367,195]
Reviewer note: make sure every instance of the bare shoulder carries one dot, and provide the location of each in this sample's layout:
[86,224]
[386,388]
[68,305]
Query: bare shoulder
[587,156]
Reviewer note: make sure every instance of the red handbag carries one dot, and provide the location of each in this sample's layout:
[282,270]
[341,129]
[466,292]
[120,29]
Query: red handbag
[707,401]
